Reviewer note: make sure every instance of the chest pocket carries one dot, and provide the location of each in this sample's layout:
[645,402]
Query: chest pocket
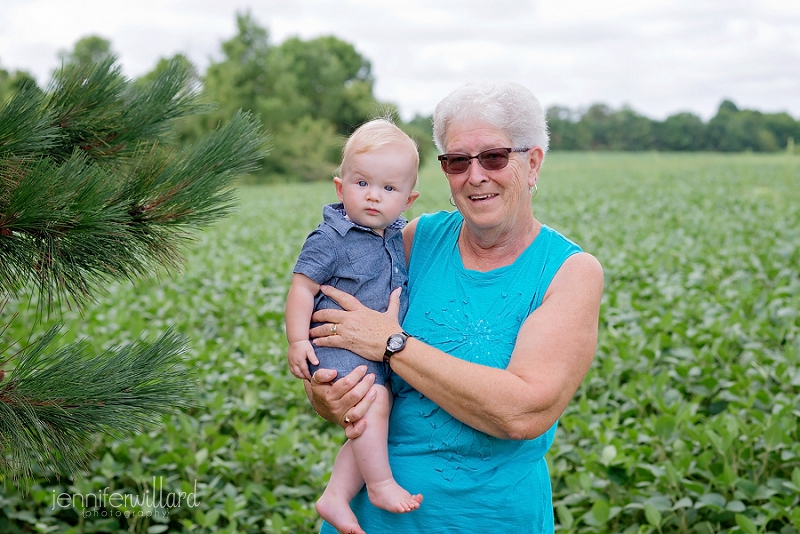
[365,260]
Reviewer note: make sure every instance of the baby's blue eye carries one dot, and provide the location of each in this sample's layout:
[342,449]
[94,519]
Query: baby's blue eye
[389,188]
[362,183]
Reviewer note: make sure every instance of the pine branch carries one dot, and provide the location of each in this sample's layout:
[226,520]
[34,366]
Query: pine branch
[196,188]
[151,109]
[86,103]
[25,132]
[53,402]
[122,202]
[91,190]
[25,129]
[107,116]
[60,234]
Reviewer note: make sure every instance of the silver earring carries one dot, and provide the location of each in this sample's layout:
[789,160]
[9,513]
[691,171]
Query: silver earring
[533,190]
[452,202]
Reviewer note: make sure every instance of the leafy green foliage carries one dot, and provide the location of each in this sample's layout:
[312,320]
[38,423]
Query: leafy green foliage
[687,421]
[420,129]
[262,79]
[309,94]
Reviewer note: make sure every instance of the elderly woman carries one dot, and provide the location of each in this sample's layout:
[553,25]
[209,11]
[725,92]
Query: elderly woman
[500,331]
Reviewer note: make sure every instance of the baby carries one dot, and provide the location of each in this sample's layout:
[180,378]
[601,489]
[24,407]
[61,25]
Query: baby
[359,249]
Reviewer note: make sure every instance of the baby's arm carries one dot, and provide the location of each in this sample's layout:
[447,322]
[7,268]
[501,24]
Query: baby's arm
[299,307]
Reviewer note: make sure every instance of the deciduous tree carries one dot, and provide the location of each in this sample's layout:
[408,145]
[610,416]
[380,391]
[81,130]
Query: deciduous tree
[308,94]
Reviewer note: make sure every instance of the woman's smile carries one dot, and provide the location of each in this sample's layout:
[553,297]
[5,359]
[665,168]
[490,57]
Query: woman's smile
[483,197]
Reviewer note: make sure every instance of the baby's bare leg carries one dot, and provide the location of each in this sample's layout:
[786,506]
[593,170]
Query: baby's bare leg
[372,458]
[345,483]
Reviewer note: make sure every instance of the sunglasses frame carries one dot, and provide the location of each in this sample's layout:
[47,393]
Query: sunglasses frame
[443,158]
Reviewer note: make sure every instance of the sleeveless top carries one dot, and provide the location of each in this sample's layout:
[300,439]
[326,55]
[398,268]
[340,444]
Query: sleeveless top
[470,481]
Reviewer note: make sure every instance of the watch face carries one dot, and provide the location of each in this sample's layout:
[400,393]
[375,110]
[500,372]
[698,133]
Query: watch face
[396,341]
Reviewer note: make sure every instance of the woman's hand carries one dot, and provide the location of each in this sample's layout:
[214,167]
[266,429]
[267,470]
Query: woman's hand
[363,331]
[343,402]
[356,327]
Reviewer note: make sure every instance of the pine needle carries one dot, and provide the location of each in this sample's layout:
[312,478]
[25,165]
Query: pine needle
[53,402]
[93,190]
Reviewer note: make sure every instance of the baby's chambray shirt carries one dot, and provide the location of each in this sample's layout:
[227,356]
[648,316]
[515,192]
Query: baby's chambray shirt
[355,259]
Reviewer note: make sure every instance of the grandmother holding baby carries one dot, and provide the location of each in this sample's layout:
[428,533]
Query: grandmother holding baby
[502,328]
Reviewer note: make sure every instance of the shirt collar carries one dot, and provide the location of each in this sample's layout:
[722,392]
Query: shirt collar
[336,216]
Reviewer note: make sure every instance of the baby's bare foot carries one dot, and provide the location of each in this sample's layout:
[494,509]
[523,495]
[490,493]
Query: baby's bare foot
[338,514]
[393,498]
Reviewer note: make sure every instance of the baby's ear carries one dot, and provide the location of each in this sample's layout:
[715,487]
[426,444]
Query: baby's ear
[337,184]
[411,198]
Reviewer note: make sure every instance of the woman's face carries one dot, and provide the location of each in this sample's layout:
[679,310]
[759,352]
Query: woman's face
[491,200]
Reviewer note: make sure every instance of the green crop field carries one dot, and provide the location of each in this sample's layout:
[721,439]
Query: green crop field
[686,422]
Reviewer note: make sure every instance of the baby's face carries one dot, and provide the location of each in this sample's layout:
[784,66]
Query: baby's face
[377,186]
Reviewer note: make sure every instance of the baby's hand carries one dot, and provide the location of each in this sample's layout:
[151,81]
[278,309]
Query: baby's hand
[300,353]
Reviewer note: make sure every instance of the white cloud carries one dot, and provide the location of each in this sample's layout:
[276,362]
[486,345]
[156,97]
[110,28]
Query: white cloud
[658,56]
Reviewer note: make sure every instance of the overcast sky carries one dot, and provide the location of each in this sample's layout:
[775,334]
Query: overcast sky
[657,56]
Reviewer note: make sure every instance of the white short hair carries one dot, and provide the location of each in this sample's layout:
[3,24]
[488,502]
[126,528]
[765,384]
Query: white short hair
[508,106]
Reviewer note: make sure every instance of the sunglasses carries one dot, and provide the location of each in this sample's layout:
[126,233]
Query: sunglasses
[493,159]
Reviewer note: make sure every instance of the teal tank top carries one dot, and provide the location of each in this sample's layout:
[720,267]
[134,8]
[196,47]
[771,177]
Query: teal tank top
[470,481]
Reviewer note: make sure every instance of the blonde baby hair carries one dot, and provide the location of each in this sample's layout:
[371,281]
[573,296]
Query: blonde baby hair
[374,134]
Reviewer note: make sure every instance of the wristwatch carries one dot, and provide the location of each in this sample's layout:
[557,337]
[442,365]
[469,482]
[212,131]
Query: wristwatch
[395,344]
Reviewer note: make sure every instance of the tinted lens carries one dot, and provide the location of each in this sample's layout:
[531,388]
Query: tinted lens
[454,163]
[494,159]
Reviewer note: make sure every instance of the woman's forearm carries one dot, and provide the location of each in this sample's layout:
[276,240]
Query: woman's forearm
[494,401]
[554,349]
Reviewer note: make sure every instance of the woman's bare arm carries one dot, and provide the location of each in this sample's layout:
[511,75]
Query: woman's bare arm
[408,237]
[554,350]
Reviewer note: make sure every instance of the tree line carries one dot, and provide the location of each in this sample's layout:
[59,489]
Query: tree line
[730,130]
[311,94]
